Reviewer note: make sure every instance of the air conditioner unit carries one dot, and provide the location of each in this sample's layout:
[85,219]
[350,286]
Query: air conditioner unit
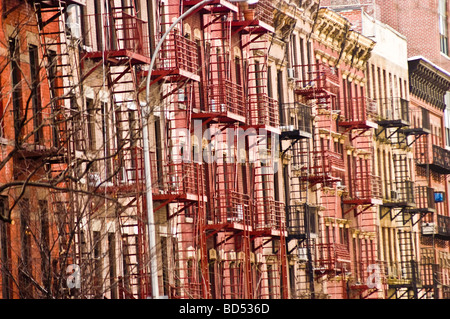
[241,256]
[73,21]
[94,179]
[291,74]
[190,252]
[394,195]
[231,255]
[212,254]
[302,254]
[392,271]
[221,254]
[259,258]
[428,228]
[252,257]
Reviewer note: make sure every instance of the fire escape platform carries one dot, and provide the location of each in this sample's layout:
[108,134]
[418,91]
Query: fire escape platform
[363,201]
[403,204]
[228,226]
[268,233]
[268,128]
[254,27]
[294,134]
[438,168]
[117,57]
[176,75]
[187,197]
[393,123]
[51,154]
[220,117]
[214,6]
[359,124]
[416,131]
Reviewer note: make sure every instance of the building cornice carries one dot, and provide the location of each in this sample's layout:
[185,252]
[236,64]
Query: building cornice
[428,82]
[335,31]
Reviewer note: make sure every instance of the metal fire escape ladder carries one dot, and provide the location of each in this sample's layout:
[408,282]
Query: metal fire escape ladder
[58,60]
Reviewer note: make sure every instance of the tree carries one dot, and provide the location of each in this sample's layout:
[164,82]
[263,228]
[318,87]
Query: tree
[72,224]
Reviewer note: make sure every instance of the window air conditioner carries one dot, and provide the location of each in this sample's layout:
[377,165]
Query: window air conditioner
[291,74]
[394,195]
[231,255]
[94,179]
[428,228]
[212,254]
[302,254]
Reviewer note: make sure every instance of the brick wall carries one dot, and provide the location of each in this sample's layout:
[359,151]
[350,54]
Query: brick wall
[417,20]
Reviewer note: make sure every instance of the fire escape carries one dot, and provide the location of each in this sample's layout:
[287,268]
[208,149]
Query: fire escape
[59,152]
[321,168]
[179,183]
[405,198]
[119,43]
[402,126]
[301,216]
[223,218]
[357,117]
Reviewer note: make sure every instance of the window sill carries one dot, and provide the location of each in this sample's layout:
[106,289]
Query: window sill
[444,55]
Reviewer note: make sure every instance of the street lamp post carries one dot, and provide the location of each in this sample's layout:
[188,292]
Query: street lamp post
[145,112]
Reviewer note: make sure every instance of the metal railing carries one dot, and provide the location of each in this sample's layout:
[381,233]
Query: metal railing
[231,207]
[443,225]
[263,110]
[226,96]
[394,108]
[301,219]
[357,110]
[296,116]
[121,31]
[178,52]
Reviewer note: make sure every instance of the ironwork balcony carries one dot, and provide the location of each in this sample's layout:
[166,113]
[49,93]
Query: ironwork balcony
[358,113]
[225,103]
[402,274]
[440,158]
[296,121]
[365,190]
[326,166]
[319,81]
[394,112]
[424,200]
[443,227]
[263,112]
[124,36]
[185,181]
[129,162]
[402,195]
[420,123]
[301,221]
[332,257]
[261,20]
[269,217]
[177,57]
[231,208]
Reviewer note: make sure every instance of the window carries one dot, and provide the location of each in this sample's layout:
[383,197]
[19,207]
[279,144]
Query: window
[112,264]
[35,94]
[91,122]
[443,32]
[25,266]
[4,251]
[97,251]
[52,74]
[16,84]
[45,243]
